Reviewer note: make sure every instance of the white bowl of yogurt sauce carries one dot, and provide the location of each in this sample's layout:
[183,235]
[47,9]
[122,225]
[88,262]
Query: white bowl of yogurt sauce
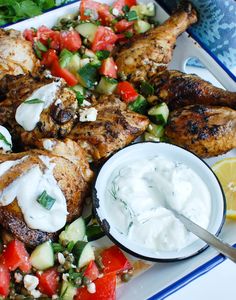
[136,185]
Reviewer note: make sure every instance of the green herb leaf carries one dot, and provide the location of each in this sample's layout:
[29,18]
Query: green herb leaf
[79,97]
[128,34]
[45,200]
[33,101]
[2,138]
[102,54]
[40,46]
[70,246]
[131,15]
[57,247]
[94,232]
[146,89]
[125,9]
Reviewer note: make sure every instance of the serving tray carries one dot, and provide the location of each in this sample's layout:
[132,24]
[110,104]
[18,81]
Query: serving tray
[162,279]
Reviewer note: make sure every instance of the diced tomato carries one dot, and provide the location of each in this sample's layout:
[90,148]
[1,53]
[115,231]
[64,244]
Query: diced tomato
[70,40]
[91,271]
[123,25]
[49,57]
[105,289]
[95,8]
[126,91]
[104,14]
[48,37]
[108,68]
[4,280]
[119,4]
[114,260]
[56,70]
[29,34]
[15,256]
[48,282]
[104,39]
[90,5]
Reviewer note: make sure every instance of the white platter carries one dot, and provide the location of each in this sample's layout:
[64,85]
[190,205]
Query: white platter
[163,278]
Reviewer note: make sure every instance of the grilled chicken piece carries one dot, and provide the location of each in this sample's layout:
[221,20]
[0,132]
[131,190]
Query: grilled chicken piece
[16,54]
[55,121]
[72,174]
[150,52]
[114,128]
[178,89]
[205,130]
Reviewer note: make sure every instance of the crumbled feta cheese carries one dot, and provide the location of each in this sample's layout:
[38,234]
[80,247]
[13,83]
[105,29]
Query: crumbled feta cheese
[35,293]
[115,12]
[30,282]
[65,276]
[54,296]
[58,101]
[18,277]
[89,114]
[100,275]
[48,144]
[61,258]
[91,288]
[85,103]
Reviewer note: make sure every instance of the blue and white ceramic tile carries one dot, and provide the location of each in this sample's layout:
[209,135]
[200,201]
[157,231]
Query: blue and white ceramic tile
[216,28]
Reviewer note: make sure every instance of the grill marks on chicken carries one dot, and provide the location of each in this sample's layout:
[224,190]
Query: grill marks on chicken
[177,89]
[205,130]
[72,174]
[16,54]
[150,52]
[55,121]
[114,128]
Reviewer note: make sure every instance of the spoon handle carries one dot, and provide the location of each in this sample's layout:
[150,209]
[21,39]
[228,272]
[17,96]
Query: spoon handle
[209,238]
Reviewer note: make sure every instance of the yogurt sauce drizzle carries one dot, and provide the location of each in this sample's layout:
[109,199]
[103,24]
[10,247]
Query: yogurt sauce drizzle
[137,197]
[28,115]
[28,187]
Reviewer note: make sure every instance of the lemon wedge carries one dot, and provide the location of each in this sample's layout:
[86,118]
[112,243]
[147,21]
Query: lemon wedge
[225,170]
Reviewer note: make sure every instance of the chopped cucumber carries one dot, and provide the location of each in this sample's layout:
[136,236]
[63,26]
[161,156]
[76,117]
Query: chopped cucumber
[106,86]
[65,58]
[74,232]
[79,89]
[68,291]
[156,130]
[74,63]
[88,76]
[94,232]
[148,137]
[147,9]
[42,257]
[87,30]
[139,105]
[83,253]
[89,54]
[159,113]
[141,26]
[146,89]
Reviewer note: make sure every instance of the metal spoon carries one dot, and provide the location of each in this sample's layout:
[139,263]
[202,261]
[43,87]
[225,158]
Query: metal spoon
[206,236]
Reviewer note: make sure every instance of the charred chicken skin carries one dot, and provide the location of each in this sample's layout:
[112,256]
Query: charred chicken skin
[16,54]
[114,128]
[151,52]
[55,121]
[177,89]
[73,176]
[205,130]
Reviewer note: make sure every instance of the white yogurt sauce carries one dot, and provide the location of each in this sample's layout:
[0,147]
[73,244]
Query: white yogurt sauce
[27,188]
[28,115]
[5,140]
[139,194]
